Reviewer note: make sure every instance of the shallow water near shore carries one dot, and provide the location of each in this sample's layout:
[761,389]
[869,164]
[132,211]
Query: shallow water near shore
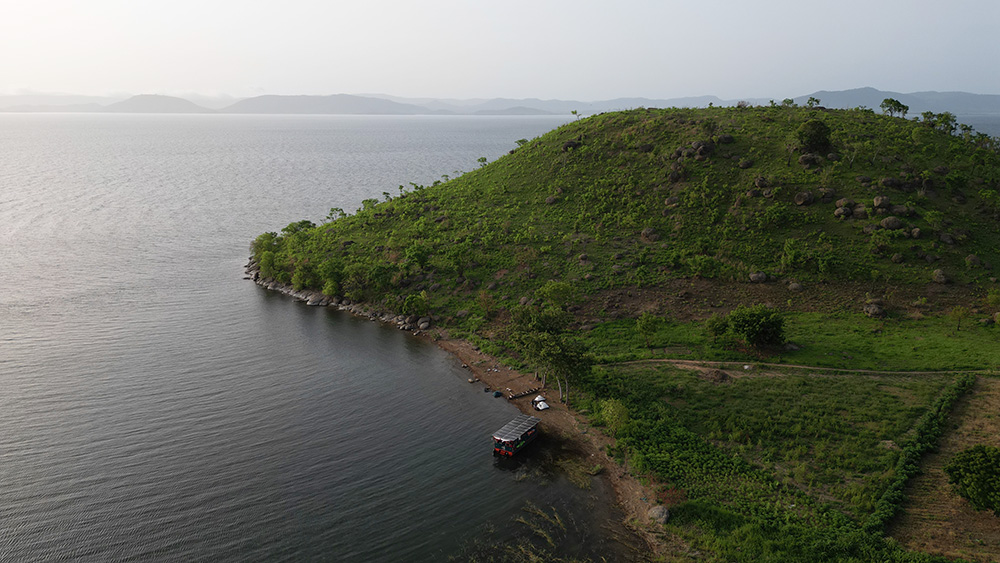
[157,406]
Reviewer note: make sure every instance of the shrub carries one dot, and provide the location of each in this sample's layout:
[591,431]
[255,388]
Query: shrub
[813,136]
[758,326]
[975,474]
[717,326]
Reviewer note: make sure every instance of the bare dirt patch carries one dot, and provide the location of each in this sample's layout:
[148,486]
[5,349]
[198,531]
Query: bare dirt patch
[689,299]
[936,520]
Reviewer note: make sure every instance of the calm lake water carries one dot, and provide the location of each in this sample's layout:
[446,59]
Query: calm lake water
[156,406]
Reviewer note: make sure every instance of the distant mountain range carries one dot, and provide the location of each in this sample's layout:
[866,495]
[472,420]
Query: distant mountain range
[959,103]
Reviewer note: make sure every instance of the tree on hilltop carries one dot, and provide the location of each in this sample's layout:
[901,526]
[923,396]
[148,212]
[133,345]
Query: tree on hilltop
[892,106]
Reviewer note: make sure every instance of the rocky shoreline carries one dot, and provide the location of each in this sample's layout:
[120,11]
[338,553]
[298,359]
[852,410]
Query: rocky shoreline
[633,496]
[411,323]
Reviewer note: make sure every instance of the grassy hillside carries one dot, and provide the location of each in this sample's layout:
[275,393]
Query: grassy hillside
[547,257]
[625,199]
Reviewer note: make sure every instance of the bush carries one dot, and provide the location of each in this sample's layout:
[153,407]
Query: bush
[813,136]
[758,326]
[717,326]
[975,474]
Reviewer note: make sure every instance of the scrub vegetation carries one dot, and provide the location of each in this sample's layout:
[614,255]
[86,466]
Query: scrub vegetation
[598,253]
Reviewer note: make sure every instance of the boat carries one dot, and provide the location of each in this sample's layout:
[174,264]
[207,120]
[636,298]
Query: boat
[514,435]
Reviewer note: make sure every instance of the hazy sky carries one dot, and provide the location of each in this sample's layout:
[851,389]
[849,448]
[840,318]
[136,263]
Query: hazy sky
[568,49]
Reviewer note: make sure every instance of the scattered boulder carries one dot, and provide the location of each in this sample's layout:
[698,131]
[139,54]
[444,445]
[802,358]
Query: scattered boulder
[890,182]
[551,199]
[758,277]
[726,139]
[672,201]
[892,223]
[659,514]
[881,201]
[859,212]
[715,376]
[826,195]
[915,233]
[972,261]
[843,212]
[810,159]
[897,258]
[863,180]
[571,144]
[900,210]
[804,198]
[753,193]
[845,202]
[745,163]
[947,238]
[795,286]
[873,310]
[649,234]
[761,182]
[938,276]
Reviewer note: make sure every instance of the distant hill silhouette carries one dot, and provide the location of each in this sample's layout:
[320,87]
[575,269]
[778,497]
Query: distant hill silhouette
[334,104]
[959,103]
[153,103]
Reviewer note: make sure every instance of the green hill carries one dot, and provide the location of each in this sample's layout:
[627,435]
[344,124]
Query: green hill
[870,239]
[637,198]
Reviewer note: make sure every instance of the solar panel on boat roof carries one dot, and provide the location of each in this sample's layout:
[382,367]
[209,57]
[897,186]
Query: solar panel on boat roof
[513,429]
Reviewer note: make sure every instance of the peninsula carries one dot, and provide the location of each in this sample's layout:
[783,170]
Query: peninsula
[669,273]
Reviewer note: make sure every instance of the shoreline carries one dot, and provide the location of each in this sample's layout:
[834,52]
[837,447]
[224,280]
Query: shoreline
[631,496]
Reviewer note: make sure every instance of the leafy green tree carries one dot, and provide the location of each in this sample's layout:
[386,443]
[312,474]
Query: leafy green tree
[268,266]
[560,294]
[891,107]
[813,136]
[482,161]
[759,326]
[298,226]
[615,415]
[336,213]
[812,102]
[646,325]
[993,298]
[946,122]
[415,304]
[958,314]
[418,253]
[538,333]
[975,474]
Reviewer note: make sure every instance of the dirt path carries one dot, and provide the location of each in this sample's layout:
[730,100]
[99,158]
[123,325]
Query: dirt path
[754,368]
[936,520]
